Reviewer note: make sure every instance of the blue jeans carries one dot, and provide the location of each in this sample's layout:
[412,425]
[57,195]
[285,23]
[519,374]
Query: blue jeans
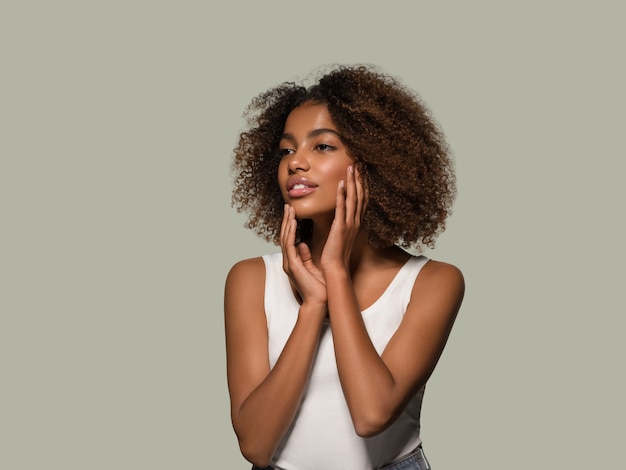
[416,460]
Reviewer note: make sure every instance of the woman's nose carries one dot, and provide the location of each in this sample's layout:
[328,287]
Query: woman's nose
[298,161]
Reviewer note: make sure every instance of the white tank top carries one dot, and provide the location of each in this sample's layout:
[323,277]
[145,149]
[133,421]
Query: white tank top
[322,435]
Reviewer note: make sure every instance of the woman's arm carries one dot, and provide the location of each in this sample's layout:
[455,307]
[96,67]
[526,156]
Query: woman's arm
[377,388]
[263,401]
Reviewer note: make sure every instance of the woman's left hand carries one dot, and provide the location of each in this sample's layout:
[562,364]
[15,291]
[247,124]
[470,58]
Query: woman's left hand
[351,204]
[298,263]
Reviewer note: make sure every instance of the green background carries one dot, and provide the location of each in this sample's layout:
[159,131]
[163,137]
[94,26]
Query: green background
[117,122]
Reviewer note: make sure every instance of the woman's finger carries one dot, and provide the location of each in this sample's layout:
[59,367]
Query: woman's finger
[340,204]
[288,237]
[290,231]
[361,196]
[350,196]
[283,237]
[304,252]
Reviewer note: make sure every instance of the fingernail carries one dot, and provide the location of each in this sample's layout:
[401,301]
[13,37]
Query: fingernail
[350,169]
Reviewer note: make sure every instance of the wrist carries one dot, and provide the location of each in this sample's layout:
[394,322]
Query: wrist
[313,308]
[336,271]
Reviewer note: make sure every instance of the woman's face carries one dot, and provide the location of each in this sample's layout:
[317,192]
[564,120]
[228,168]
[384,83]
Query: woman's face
[313,161]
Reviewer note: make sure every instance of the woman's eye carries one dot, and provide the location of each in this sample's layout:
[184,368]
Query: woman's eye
[324,147]
[284,152]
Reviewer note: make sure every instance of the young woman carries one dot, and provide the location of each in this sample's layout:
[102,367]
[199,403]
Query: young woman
[330,342]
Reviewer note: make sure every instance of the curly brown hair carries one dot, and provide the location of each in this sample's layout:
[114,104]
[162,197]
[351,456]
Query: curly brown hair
[398,147]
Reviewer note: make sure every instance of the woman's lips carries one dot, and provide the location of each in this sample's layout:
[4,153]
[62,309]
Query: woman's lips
[298,186]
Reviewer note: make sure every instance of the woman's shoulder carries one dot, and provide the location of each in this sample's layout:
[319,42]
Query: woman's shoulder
[244,285]
[437,293]
[252,268]
[246,268]
[442,268]
[438,275]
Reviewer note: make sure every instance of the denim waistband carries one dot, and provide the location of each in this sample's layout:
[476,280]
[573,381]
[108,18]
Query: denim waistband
[415,460]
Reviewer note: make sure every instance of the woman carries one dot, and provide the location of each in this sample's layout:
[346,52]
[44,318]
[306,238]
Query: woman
[330,341]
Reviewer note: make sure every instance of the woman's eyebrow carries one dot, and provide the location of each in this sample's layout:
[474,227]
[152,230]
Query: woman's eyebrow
[289,137]
[323,130]
[313,133]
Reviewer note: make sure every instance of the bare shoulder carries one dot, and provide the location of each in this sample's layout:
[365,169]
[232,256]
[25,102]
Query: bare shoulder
[245,285]
[442,273]
[246,270]
[441,282]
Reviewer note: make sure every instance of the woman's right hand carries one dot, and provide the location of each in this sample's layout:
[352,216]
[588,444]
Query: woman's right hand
[307,278]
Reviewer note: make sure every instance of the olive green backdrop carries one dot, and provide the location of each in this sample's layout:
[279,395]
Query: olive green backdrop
[117,121]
